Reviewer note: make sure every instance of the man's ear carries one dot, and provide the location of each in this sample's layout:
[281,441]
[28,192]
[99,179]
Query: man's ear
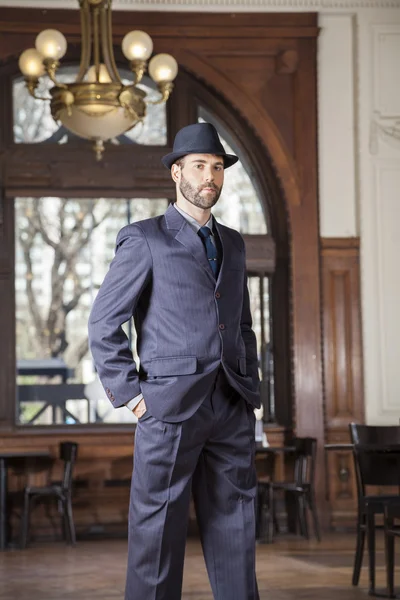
[175,173]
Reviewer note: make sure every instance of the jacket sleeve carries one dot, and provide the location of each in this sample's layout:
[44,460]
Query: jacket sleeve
[129,273]
[249,337]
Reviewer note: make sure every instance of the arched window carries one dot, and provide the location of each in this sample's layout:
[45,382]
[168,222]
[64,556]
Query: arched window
[239,205]
[64,246]
[65,242]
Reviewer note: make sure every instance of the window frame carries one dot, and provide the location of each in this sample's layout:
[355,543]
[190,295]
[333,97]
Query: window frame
[190,94]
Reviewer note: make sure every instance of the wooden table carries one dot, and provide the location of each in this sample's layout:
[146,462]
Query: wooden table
[370,448]
[338,446]
[7,459]
[274,449]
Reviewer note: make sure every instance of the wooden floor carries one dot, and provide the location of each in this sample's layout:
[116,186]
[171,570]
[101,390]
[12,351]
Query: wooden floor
[288,569]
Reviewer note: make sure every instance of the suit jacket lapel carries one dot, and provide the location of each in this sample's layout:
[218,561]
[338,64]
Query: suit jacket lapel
[227,250]
[192,242]
[188,238]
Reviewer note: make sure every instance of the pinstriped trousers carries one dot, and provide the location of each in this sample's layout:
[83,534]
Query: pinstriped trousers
[212,455]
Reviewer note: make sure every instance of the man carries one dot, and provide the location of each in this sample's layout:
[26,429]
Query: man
[182,277]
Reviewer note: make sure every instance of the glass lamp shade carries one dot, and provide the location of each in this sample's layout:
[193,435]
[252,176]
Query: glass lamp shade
[137,45]
[31,63]
[163,68]
[95,113]
[104,76]
[97,123]
[51,44]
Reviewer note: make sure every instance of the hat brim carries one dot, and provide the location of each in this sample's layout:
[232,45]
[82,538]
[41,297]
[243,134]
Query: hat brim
[169,159]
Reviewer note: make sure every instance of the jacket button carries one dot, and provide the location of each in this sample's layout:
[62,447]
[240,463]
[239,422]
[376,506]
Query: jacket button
[222,326]
[217,295]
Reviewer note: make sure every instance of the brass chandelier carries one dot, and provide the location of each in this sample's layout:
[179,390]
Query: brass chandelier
[98,106]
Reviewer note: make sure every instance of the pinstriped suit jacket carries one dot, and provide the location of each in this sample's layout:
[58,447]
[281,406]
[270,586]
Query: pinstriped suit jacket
[187,324]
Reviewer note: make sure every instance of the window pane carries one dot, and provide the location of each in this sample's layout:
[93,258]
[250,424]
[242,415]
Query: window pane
[33,122]
[63,251]
[153,130]
[239,205]
[259,291]
[32,118]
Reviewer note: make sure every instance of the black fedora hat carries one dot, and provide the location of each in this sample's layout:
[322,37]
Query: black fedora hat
[200,138]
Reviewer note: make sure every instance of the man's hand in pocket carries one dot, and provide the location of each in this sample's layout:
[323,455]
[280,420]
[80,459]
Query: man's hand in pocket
[140,409]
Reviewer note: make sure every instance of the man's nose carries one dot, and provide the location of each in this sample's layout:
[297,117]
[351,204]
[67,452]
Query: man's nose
[209,175]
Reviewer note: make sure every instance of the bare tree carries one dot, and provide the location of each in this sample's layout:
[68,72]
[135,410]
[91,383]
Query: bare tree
[67,233]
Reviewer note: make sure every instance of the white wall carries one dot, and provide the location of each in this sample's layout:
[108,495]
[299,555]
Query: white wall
[379,183]
[359,172]
[359,157]
[336,126]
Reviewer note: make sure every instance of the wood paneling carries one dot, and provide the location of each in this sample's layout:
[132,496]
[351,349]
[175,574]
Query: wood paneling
[7,319]
[74,171]
[102,475]
[260,253]
[342,367]
[342,488]
[342,333]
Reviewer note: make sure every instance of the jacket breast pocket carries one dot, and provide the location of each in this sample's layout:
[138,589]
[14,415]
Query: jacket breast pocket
[172,365]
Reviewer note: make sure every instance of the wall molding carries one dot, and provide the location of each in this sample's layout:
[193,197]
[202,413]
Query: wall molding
[340,243]
[387,129]
[343,367]
[341,310]
[385,288]
[213,5]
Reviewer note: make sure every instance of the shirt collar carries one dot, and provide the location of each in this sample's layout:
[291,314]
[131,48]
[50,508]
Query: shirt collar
[192,221]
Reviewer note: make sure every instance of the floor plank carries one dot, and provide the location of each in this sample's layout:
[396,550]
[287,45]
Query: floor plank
[288,569]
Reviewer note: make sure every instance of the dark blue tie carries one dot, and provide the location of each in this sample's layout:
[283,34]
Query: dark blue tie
[205,233]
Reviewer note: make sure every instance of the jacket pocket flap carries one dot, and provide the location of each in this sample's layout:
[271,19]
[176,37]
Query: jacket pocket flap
[172,365]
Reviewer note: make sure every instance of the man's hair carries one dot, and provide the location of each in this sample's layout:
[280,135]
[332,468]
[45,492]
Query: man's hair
[180,162]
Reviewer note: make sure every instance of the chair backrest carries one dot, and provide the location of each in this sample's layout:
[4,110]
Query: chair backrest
[68,453]
[305,460]
[374,434]
[375,468]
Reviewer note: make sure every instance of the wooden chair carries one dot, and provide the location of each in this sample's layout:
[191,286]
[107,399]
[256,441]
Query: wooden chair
[372,469]
[392,530]
[60,491]
[301,488]
[264,504]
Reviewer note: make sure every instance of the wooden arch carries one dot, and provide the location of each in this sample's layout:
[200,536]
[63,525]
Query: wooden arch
[261,169]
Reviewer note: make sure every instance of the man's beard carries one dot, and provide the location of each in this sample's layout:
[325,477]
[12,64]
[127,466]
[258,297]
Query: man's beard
[194,196]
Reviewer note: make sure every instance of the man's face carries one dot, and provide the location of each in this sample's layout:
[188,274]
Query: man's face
[200,179]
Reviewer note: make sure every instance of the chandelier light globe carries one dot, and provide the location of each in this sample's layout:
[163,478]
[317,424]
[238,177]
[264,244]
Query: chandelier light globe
[163,68]
[137,45]
[96,122]
[51,44]
[98,111]
[104,75]
[31,63]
